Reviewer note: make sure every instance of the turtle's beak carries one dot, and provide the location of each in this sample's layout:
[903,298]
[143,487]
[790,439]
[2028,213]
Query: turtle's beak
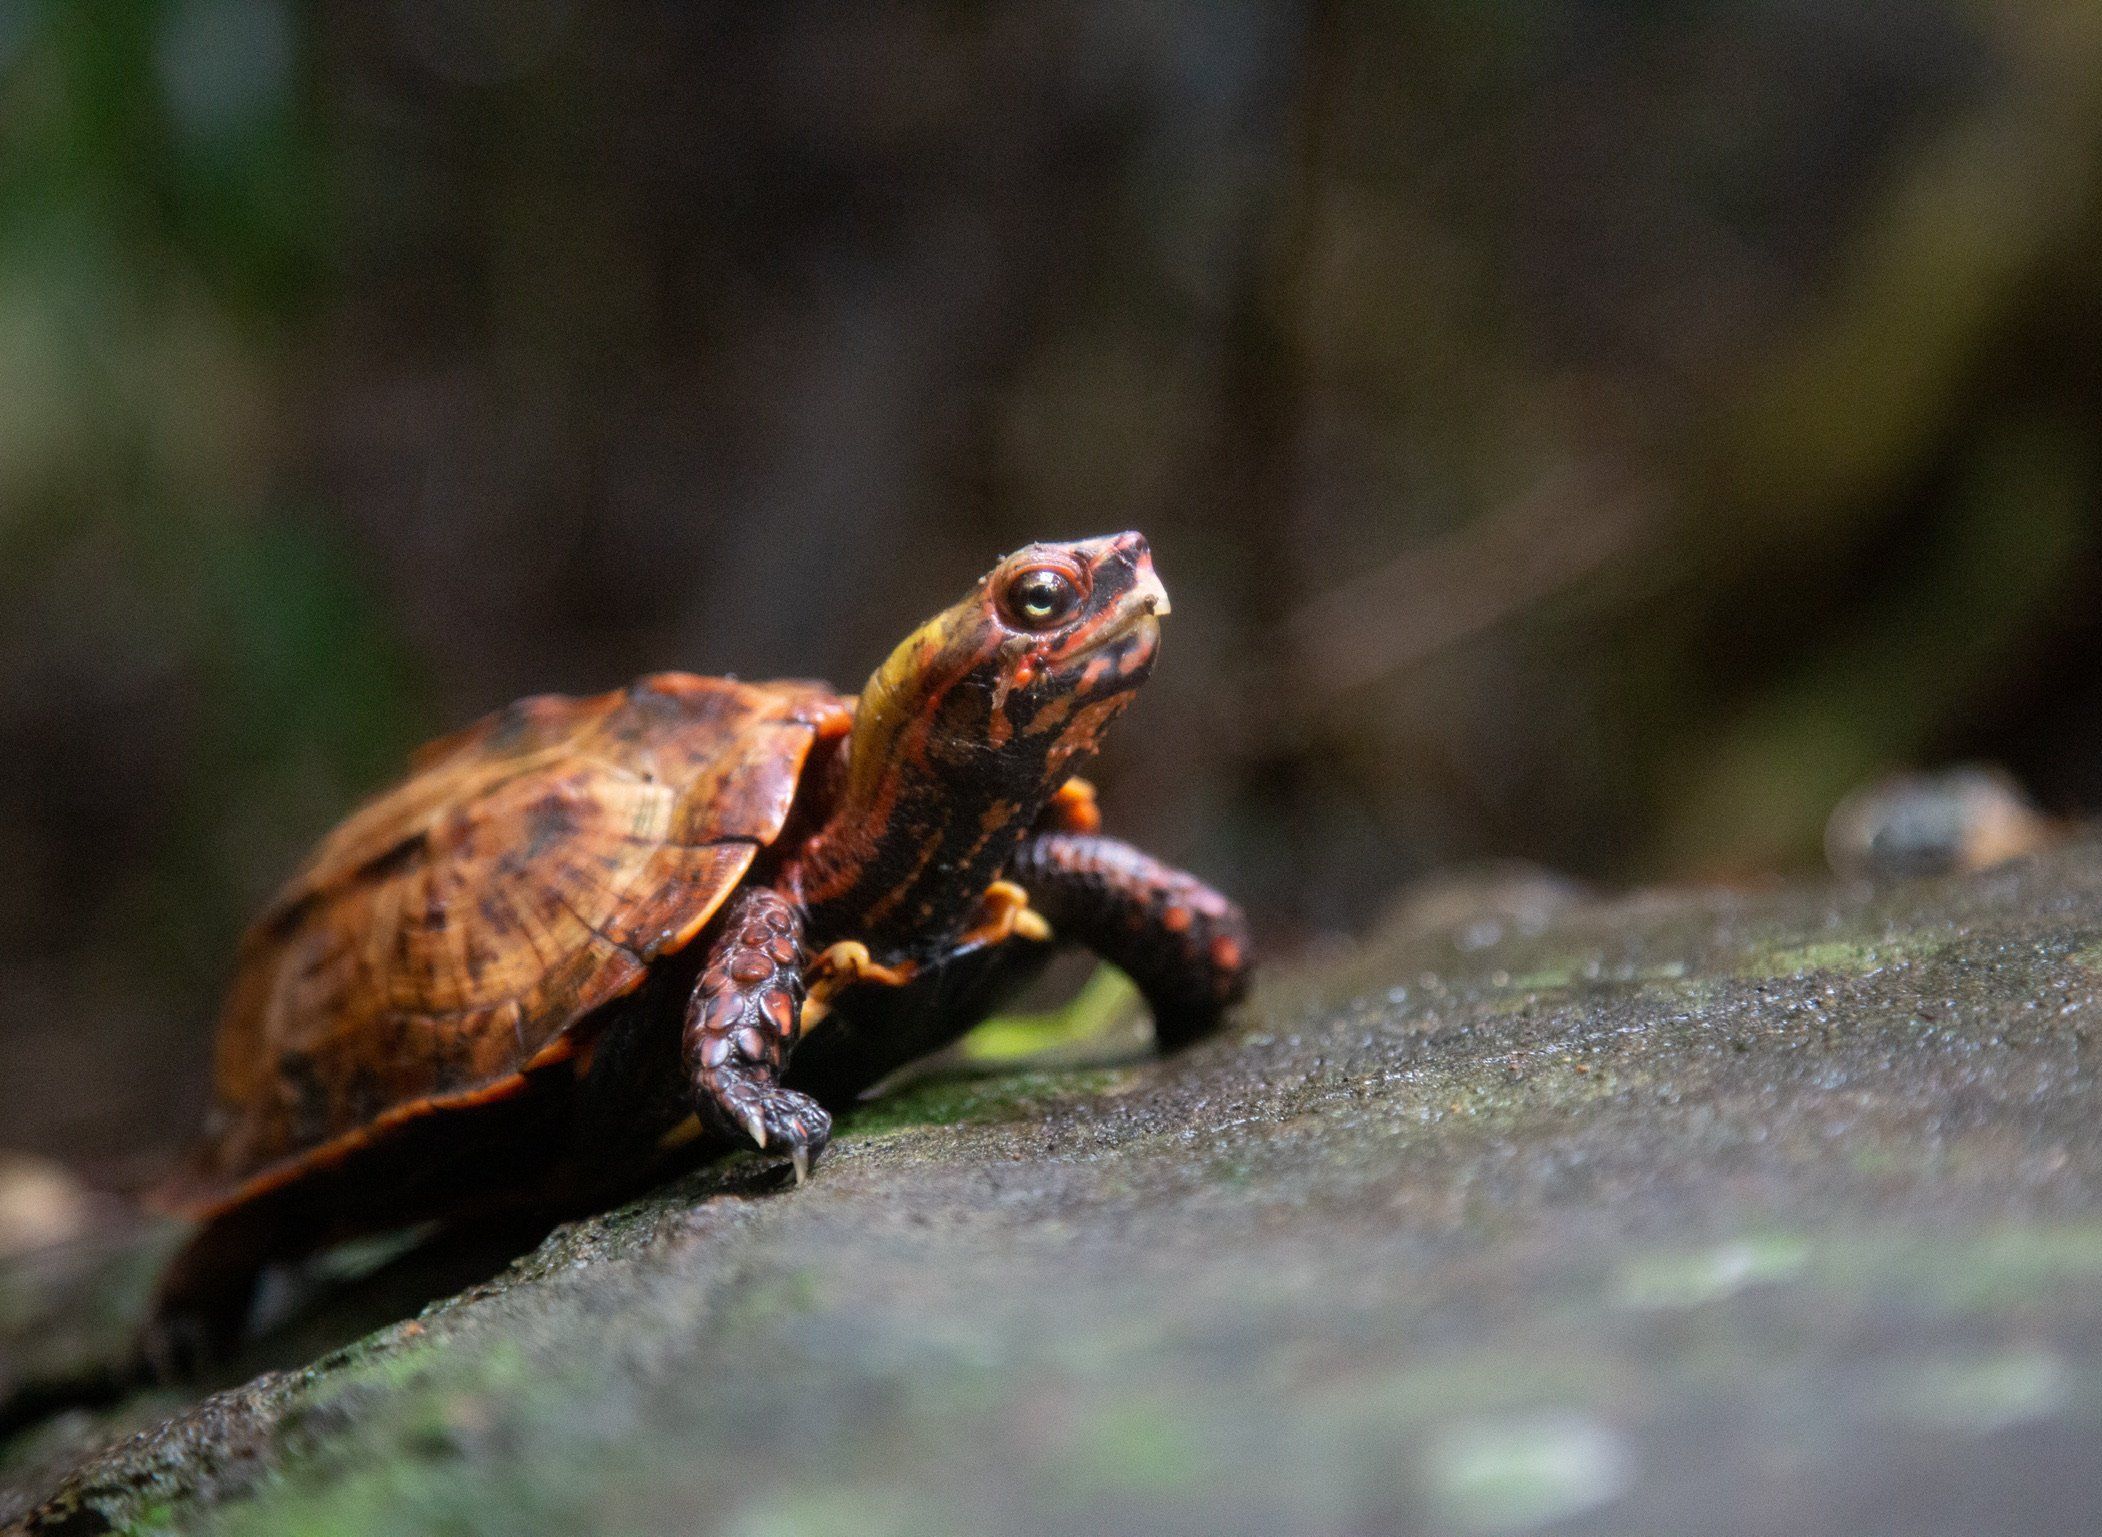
[1130,629]
[1140,607]
[1143,595]
[1128,600]
[1150,592]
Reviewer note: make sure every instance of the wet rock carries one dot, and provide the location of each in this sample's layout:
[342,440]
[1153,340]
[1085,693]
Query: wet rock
[1717,1212]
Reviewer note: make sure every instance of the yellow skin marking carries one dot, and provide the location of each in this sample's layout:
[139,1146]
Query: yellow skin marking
[688,1130]
[1005,913]
[848,962]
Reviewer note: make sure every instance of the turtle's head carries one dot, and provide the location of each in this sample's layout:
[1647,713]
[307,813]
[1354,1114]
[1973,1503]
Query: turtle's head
[1028,668]
[972,723]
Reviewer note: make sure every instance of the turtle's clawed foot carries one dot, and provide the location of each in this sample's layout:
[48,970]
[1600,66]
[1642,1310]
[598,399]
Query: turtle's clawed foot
[745,1016]
[749,1105]
[201,1309]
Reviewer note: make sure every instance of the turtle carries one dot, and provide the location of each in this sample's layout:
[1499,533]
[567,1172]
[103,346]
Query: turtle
[587,931]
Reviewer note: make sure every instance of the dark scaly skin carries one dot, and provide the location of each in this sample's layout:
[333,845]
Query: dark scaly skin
[1184,945]
[743,1021]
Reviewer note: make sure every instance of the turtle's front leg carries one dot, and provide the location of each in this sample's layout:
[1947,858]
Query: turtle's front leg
[745,1016]
[1184,944]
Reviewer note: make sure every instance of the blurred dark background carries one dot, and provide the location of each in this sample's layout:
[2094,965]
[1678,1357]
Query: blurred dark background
[1594,431]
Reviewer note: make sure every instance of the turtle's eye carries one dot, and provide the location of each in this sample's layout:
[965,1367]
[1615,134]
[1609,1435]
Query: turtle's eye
[1040,597]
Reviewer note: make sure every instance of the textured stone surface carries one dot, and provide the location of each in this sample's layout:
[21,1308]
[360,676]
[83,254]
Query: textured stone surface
[1681,1212]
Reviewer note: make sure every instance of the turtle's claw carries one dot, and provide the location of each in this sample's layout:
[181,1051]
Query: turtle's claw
[797,1122]
[750,1106]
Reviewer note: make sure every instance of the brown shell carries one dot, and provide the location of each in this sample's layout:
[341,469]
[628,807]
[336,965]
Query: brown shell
[444,939]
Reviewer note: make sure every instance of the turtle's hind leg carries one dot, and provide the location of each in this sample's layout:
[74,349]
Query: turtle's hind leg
[202,1306]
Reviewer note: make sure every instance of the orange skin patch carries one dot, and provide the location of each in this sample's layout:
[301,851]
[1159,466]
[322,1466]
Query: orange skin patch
[1073,809]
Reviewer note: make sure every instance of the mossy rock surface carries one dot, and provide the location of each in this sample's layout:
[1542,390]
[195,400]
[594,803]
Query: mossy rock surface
[1770,1212]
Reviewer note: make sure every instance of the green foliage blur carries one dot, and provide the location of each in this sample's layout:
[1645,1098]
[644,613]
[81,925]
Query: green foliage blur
[1601,434]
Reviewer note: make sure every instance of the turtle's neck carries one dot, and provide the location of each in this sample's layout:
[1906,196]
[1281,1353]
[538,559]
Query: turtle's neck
[943,780]
[960,739]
